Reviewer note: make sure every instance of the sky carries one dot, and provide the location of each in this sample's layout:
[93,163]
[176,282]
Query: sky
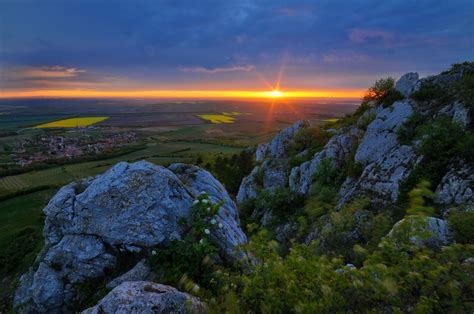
[200,48]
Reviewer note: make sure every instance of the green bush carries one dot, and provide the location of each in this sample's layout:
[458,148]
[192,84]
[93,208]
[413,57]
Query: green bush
[24,243]
[383,92]
[188,263]
[311,139]
[462,224]
[407,132]
[427,92]
[465,88]
[281,202]
[420,281]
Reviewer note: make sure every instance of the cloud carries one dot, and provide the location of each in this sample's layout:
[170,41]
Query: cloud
[242,68]
[46,72]
[363,35]
[347,57]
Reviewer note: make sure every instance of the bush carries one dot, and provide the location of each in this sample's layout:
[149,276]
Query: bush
[188,263]
[383,92]
[407,132]
[281,202]
[311,139]
[462,224]
[427,92]
[24,243]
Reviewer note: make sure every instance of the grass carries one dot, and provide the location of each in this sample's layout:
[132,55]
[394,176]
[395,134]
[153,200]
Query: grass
[72,122]
[22,212]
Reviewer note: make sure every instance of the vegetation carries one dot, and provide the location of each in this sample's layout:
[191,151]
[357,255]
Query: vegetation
[189,263]
[383,92]
[462,224]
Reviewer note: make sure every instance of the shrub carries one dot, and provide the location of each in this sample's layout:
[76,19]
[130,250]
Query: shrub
[462,224]
[407,132]
[383,92]
[417,199]
[311,139]
[188,263]
[427,92]
[24,243]
[281,202]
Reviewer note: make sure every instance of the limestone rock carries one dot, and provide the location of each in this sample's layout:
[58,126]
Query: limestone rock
[272,172]
[337,149]
[381,134]
[421,231]
[147,297]
[198,180]
[131,208]
[249,187]
[456,187]
[139,272]
[278,147]
[406,83]
[381,179]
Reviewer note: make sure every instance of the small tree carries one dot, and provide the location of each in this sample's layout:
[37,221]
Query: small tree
[417,200]
[383,91]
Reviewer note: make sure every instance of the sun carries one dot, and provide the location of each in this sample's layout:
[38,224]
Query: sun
[276,93]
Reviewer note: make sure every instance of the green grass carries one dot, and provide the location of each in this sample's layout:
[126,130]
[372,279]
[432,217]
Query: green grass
[21,212]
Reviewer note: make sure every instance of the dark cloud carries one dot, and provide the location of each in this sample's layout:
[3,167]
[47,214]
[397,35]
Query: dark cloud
[155,41]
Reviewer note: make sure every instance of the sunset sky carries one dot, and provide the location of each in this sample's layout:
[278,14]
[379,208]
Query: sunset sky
[198,49]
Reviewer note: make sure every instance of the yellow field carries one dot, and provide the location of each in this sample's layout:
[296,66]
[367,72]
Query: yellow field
[331,120]
[217,118]
[72,122]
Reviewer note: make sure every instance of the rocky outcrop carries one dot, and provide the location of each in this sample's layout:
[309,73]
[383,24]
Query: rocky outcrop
[457,187]
[126,211]
[273,170]
[278,147]
[420,231]
[337,150]
[381,179]
[406,83]
[147,297]
[381,136]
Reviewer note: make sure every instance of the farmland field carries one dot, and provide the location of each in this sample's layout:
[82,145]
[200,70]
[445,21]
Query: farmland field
[72,122]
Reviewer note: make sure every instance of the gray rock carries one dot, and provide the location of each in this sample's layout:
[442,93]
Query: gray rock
[147,297]
[337,149]
[421,231]
[461,115]
[381,134]
[381,179]
[406,83]
[198,180]
[278,147]
[273,168]
[139,272]
[249,187]
[456,187]
[129,208]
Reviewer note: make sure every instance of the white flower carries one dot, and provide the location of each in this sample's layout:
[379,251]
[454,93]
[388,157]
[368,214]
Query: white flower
[205,201]
[153,252]
[207,231]
[201,241]
[208,209]
[220,225]
[195,288]
[203,192]
[213,221]
[195,202]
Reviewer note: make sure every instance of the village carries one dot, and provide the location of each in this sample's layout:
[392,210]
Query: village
[43,148]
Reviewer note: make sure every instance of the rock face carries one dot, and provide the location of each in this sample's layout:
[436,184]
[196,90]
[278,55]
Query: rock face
[273,170]
[147,297]
[139,272]
[337,149]
[406,83]
[381,179]
[127,210]
[381,134]
[456,187]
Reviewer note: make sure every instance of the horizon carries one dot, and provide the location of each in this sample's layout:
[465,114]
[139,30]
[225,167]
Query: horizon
[222,50]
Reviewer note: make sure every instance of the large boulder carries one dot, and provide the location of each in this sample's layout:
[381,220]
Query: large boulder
[122,213]
[337,150]
[406,83]
[381,135]
[420,231]
[147,297]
